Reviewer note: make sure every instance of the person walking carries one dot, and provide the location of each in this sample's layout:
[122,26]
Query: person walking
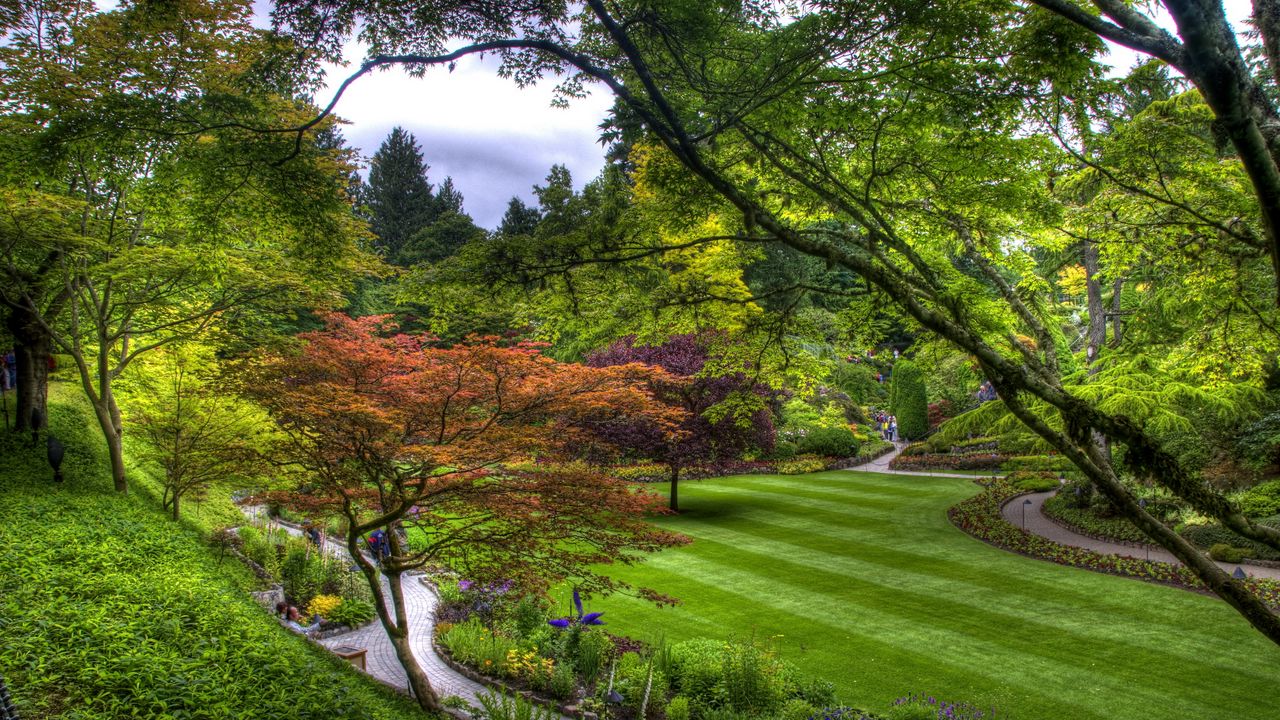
[893,428]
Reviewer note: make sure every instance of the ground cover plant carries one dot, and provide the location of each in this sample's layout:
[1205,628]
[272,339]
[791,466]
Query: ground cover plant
[108,609]
[870,586]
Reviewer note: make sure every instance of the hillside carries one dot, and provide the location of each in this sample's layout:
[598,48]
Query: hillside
[109,610]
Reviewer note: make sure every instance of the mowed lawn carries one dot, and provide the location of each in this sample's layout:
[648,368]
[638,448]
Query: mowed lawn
[860,579]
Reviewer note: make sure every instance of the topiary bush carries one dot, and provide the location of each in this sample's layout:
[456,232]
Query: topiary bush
[1223,552]
[909,401]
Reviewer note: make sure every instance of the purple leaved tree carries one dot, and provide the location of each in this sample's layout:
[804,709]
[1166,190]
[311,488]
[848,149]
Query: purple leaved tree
[727,413]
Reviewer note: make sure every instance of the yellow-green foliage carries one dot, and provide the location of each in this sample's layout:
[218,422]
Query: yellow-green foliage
[110,610]
[323,605]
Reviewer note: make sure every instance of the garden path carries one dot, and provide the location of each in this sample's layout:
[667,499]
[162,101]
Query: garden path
[1040,524]
[881,465]
[380,657]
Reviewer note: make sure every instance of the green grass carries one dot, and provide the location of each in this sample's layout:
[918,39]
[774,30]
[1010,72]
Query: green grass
[110,610]
[861,580]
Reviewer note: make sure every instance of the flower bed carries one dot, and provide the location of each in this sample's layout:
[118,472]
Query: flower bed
[980,517]
[947,461]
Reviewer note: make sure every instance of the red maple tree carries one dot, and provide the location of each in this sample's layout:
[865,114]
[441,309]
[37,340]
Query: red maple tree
[469,449]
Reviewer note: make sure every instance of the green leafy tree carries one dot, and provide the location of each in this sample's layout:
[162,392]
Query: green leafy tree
[191,428]
[160,210]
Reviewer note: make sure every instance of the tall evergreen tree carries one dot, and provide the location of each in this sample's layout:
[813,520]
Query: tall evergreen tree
[398,198]
[562,209]
[909,401]
[448,199]
[520,219]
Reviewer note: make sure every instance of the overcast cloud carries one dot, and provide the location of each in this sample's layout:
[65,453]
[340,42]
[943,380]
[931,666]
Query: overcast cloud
[495,140]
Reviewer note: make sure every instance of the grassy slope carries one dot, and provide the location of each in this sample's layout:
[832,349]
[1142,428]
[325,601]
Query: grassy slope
[862,580]
[108,609]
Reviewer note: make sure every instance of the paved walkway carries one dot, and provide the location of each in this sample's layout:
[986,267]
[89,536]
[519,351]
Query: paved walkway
[380,657]
[881,465]
[1040,524]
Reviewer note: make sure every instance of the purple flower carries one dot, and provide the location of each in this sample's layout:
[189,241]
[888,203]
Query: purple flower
[588,619]
[465,585]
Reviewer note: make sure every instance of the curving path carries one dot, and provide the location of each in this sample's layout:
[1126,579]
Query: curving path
[1038,523]
[380,658]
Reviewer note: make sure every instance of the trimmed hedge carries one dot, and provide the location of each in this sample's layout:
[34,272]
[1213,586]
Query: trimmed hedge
[110,610]
[909,401]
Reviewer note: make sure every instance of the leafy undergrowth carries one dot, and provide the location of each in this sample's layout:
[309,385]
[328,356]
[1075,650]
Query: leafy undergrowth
[980,516]
[110,610]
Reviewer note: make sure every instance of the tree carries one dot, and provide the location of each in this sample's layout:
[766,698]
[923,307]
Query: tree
[157,210]
[519,219]
[395,433]
[398,198]
[888,141]
[909,403]
[1240,90]
[726,412]
[196,433]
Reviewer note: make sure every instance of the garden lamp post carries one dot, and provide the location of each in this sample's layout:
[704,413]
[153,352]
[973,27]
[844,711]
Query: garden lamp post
[55,452]
[1025,503]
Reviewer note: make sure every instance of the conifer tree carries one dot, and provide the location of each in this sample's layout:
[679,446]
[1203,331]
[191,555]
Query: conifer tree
[520,219]
[398,198]
[910,404]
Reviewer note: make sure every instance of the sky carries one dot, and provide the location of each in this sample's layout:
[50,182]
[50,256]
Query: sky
[495,140]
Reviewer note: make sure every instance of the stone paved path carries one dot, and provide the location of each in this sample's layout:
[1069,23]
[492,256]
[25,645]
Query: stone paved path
[881,465]
[380,657]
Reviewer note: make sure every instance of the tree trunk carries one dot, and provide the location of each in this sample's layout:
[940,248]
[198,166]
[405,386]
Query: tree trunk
[675,488]
[394,619]
[1096,334]
[176,498]
[109,420]
[32,347]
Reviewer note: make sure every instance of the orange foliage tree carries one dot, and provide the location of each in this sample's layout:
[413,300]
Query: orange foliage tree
[464,448]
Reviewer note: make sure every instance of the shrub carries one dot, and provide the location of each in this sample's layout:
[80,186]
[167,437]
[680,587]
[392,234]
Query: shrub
[795,709]
[802,464]
[647,472]
[969,461]
[472,644]
[829,441]
[631,680]
[1223,552]
[594,650]
[678,708]
[909,403]
[784,450]
[1086,520]
[352,612]
[1037,463]
[1260,500]
[562,682]
[503,706]
[323,605]
[1206,536]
